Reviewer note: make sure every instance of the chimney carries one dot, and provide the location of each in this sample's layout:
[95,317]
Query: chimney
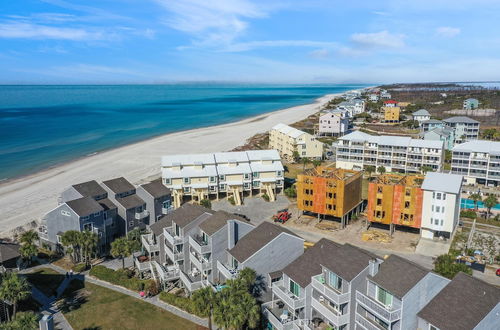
[373,265]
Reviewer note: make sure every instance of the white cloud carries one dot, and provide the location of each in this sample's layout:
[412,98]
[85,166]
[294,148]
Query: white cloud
[24,30]
[447,31]
[245,46]
[320,53]
[382,39]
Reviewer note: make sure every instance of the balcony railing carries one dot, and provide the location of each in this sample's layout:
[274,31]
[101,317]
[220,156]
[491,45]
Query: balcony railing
[365,323]
[228,272]
[199,262]
[276,322]
[173,254]
[288,297]
[331,294]
[171,237]
[149,243]
[199,245]
[141,215]
[167,210]
[374,307]
[191,285]
[141,265]
[333,316]
[164,274]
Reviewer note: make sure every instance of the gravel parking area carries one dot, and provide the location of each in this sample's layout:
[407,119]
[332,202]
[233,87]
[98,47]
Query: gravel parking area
[255,208]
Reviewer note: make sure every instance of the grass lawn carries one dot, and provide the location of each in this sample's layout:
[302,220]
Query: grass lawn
[64,263]
[45,280]
[102,308]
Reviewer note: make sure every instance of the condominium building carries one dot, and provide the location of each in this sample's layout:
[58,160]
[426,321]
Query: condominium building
[288,140]
[391,114]
[466,129]
[478,161]
[231,174]
[395,200]
[330,191]
[465,303]
[334,123]
[396,153]
[158,199]
[395,292]
[441,204]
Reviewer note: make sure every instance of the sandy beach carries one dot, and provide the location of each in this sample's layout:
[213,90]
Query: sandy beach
[28,198]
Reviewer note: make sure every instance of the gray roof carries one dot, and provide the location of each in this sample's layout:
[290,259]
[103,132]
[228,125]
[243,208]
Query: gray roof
[163,222]
[421,112]
[442,131]
[217,221]
[398,275]
[84,206]
[491,147]
[9,251]
[156,189]
[89,189]
[187,213]
[445,182]
[460,119]
[119,185]
[130,201]
[309,263]
[106,204]
[256,239]
[462,304]
[432,121]
[348,261]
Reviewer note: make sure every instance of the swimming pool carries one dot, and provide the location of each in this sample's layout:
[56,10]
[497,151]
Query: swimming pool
[469,204]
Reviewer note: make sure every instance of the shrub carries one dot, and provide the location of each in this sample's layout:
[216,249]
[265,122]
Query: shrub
[153,287]
[183,303]
[119,277]
[470,214]
[291,192]
[80,268]
[265,197]
[446,266]
[206,203]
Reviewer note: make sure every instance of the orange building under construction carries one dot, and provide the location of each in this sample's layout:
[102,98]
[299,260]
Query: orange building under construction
[395,199]
[330,191]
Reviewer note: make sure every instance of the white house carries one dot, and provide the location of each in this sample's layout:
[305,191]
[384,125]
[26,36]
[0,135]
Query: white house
[421,115]
[441,204]
[373,97]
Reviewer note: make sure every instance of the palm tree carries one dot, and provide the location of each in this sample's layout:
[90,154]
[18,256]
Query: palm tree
[370,169]
[425,169]
[120,248]
[28,251]
[475,198]
[381,169]
[490,202]
[316,162]
[89,245]
[305,161]
[296,156]
[26,320]
[204,302]
[14,289]
[29,237]
[70,240]
[134,237]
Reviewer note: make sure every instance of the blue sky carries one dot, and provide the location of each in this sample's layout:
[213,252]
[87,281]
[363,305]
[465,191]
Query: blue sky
[313,41]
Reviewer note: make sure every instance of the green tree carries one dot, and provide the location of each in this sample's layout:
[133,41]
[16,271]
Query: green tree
[14,289]
[134,238]
[446,266]
[425,169]
[305,161]
[70,240]
[381,169]
[296,156]
[475,198]
[206,203]
[88,242]
[370,169]
[490,202]
[316,162]
[204,301]
[120,248]
[29,237]
[23,321]
[28,245]
[291,192]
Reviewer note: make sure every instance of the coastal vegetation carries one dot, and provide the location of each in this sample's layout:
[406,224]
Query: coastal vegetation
[121,277]
[446,266]
[28,248]
[14,289]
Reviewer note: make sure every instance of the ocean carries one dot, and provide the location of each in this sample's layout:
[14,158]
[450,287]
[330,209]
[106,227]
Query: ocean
[42,126]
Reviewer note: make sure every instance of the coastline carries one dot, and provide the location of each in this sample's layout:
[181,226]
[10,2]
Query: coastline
[27,198]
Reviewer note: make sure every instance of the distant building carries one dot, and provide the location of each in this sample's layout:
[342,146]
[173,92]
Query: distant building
[385,95]
[333,124]
[466,129]
[471,104]
[478,161]
[431,124]
[391,114]
[373,97]
[403,104]
[354,106]
[330,191]
[10,257]
[421,115]
[441,204]
[390,103]
[447,135]
[288,140]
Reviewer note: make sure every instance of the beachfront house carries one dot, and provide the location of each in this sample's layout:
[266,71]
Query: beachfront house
[478,161]
[223,174]
[334,123]
[158,199]
[441,204]
[395,292]
[373,97]
[447,135]
[132,212]
[431,124]
[391,114]
[466,129]
[470,104]
[421,115]
[385,95]
[288,140]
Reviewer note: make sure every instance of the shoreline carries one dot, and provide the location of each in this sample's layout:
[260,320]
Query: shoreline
[27,198]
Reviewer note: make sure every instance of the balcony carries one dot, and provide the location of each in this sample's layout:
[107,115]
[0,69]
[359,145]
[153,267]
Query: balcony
[366,324]
[149,244]
[199,262]
[331,294]
[142,263]
[164,273]
[141,215]
[378,309]
[173,254]
[329,313]
[192,283]
[167,210]
[287,297]
[199,245]
[228,272]
[274,315]
[171,237]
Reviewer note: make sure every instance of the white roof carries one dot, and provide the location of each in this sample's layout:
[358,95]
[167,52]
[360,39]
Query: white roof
[391,140]
[445,182]
[207,170]
[421,112]
[263,154]
[231,157]
[231,169]
[187,159]
[484,146]
[287,130]
[259,167]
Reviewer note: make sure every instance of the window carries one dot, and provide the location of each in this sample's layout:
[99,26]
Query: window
[212,179]
[334,281]
[379,189]
[444,196]
[256,184]
[255,174]
[246,185]
[438,209]
[222,186]
[408,192]
[442,209]
[379,201]
[247,176]
[187,180]
[303,153]
[88,226]
[168,180]
[187,189]
[294,288]
[407,204]
[303,146]
[279,173]
[384,297]
[65,213]
[222,177]
[438,196]
[130,223]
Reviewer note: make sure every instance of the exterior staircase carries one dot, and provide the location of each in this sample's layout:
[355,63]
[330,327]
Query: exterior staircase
[236,196]
[270,193]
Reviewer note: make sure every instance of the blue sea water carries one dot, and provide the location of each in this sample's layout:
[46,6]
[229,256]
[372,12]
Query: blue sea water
[41,126]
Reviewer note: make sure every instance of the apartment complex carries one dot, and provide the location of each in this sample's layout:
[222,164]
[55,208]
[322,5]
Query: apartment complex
[395,200]
[333,123]
[466,129]
[478,161]
[396,153]
[231,174]
[288,140]
[391,114]
[330,191]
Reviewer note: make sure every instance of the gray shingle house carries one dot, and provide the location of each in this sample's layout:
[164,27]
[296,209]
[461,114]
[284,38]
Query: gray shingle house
[465,128]
[158,199]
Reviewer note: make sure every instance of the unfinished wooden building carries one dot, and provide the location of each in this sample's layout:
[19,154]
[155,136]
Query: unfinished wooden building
[395,199]
[330,191]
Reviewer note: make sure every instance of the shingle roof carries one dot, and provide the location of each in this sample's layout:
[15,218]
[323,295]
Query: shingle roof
[187,213]
[9,251]
[256,239]
[130,201]
[491,147]
[288,130]
[89,189]
[156,189]
[119,185]
[421,112]
[163,222]
[217,221]
[398,275]
[460,119]
[309,264]
[348,261]
[432,121]
[106,204]
[445,182]
[84,206]
[462,304]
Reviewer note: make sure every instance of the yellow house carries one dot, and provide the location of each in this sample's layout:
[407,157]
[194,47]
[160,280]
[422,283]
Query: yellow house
[391,114]
[288,140]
